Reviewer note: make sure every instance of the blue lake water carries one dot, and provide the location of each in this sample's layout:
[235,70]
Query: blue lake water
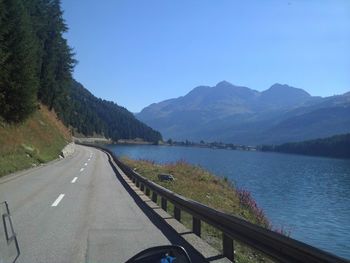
[310,196]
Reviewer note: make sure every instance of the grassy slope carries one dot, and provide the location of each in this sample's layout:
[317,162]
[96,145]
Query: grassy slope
[200,185]
[39,139]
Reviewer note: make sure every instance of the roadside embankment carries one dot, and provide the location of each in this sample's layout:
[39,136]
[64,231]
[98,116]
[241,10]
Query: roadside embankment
[198,184]
[39,139]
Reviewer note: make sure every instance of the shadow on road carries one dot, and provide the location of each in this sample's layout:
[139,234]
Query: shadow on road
[173,237]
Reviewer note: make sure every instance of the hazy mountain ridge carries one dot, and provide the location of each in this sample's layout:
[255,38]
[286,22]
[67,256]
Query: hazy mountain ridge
[238,114]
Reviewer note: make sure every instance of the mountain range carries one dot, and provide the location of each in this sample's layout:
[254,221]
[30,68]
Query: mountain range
[236,114]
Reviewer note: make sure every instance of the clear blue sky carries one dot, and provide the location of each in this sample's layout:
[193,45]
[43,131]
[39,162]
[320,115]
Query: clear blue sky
[136,52]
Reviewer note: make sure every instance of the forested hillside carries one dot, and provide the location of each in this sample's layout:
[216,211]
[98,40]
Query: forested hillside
[90,115]
[35,60]
[336,146]
[35,69]
[36,66]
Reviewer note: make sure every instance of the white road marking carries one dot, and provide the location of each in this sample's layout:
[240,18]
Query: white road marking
[85,164]
[82,169]
[58,200]
[74,180]
[89,160]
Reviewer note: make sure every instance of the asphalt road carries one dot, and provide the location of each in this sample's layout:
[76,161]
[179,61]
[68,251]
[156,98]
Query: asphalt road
[76,210]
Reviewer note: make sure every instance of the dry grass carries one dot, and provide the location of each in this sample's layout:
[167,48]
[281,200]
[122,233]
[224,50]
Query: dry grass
[198,184]
[39,139]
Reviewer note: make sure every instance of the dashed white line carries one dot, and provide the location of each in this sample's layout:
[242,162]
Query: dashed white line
[85,164]
[89,160]
[82,169]
[74,180]
[58,200]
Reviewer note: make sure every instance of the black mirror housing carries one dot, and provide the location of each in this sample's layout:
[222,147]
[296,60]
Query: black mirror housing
[162,254]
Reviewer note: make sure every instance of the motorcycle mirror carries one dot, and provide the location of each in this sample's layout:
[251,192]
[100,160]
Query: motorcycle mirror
[9,249]
[162,254]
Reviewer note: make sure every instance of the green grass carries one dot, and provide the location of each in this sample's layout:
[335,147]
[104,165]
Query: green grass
[219,193]
[38,140]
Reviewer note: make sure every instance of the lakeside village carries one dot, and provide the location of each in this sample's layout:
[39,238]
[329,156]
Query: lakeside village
[169,142]
[201,144]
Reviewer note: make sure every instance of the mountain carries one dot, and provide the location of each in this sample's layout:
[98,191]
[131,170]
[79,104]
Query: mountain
[236,114]
[282,96]
[89,115]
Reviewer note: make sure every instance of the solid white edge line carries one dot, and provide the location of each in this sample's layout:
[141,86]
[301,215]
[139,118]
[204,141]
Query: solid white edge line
[58,200]
[74,180]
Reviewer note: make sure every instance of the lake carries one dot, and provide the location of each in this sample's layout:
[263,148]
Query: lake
[309,196]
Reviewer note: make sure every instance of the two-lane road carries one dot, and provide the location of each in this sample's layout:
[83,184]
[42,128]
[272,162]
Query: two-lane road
[76,210]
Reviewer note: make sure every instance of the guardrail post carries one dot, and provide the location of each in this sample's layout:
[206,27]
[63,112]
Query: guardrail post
[142,187]
[154,197]
[133,180]
[148,192]
[177,213]
[137,183]
[228,250]
[164,204]
[196,226]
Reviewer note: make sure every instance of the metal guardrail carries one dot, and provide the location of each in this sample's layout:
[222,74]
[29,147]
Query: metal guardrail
[274,245]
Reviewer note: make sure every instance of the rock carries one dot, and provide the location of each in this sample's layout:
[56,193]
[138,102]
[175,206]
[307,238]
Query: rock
[42,123]
[27,148]
[165,177]
[68,150]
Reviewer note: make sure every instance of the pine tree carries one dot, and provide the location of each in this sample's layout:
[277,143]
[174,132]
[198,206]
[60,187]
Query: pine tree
[18,82]
[58,59]
[3,53]
[38,12]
